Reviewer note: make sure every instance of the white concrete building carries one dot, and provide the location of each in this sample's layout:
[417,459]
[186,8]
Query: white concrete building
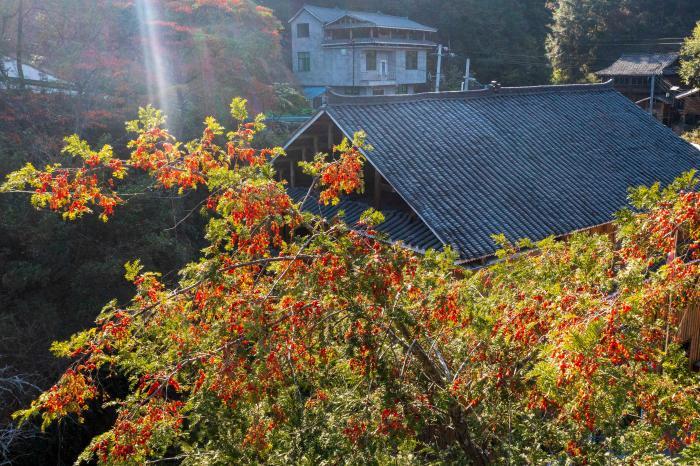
[358,53]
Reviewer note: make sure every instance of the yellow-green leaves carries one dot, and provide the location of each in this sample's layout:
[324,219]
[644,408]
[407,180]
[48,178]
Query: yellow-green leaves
[17,180]
[371,217]
[132,269]
[149,118]
[238,109]
[214,126]
[77,147]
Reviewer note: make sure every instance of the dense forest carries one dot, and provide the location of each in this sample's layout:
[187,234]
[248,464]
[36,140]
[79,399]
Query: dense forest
[526,42]
[55,276]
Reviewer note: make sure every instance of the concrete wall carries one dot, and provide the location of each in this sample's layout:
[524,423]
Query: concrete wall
[334,66]
[312,44]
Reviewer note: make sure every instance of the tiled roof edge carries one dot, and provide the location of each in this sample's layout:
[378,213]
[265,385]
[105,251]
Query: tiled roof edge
[338,99]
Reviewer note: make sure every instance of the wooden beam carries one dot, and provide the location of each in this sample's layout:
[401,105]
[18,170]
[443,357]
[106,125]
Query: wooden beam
[377,190]
[292,174]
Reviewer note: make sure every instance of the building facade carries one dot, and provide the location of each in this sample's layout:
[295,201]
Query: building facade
[647,77]
[358,53]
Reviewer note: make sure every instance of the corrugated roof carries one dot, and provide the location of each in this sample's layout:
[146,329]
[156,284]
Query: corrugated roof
[526,162]
[641,64]
[329,15]
[399,226]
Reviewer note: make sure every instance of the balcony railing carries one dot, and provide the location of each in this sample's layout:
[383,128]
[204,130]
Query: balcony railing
[377,76]
[376,41]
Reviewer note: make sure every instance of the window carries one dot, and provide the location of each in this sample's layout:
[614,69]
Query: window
[351,91]
[304,61]
[377,91]
[411,59]
[371,58]
[303,30]
[402,89]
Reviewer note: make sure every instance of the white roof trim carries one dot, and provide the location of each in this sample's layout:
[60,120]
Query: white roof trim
[303,8]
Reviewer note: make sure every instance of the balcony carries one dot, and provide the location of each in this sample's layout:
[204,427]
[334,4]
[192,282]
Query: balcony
[375,78]
[377,42]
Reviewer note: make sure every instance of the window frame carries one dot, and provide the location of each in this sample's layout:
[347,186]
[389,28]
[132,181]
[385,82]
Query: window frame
[305,58]
[414,64]
[308,31]
[373,54]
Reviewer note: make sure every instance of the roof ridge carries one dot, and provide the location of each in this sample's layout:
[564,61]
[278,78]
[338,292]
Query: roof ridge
[635,54]
[339,99]
[348,10]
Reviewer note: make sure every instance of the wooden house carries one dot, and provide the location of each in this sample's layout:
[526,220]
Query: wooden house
[527,162]
[647,79]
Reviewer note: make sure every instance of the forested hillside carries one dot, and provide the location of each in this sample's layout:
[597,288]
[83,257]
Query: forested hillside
[521,42]
[54,277]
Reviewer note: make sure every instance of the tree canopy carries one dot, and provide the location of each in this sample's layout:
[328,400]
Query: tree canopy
[296,340]
[690,58]
[588,35]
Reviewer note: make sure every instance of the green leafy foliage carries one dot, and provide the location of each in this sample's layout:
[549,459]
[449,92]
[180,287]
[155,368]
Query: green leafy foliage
[690,61]
[292,340]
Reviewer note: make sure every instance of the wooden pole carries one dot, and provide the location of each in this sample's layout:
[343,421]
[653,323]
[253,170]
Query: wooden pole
[377,190]
[20,37]
[651,95]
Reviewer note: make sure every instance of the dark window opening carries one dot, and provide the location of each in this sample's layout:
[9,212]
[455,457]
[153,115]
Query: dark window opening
[371,58]
[412,60]
[338,34]
[360,33]
[303,30]
[377,91]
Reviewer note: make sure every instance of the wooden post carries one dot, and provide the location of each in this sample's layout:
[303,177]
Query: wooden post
[315,145]
[689,331]
[304,154]
[292,174]
[330,137]
[377,190]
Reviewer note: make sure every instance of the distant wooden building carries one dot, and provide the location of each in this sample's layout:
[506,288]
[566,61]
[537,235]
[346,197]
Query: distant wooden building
[527,162]
[647,77]
[35,79]
[688,105]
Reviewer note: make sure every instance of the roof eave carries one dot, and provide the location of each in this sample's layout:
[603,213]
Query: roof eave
[350,136]
[304,127]
[346,133]
[304,8]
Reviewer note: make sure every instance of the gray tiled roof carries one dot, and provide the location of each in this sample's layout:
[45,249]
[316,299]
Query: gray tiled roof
[398,225]
[329,15]
[526,162]
[641,64]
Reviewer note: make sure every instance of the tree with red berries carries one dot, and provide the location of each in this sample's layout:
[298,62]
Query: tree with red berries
[297,340]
